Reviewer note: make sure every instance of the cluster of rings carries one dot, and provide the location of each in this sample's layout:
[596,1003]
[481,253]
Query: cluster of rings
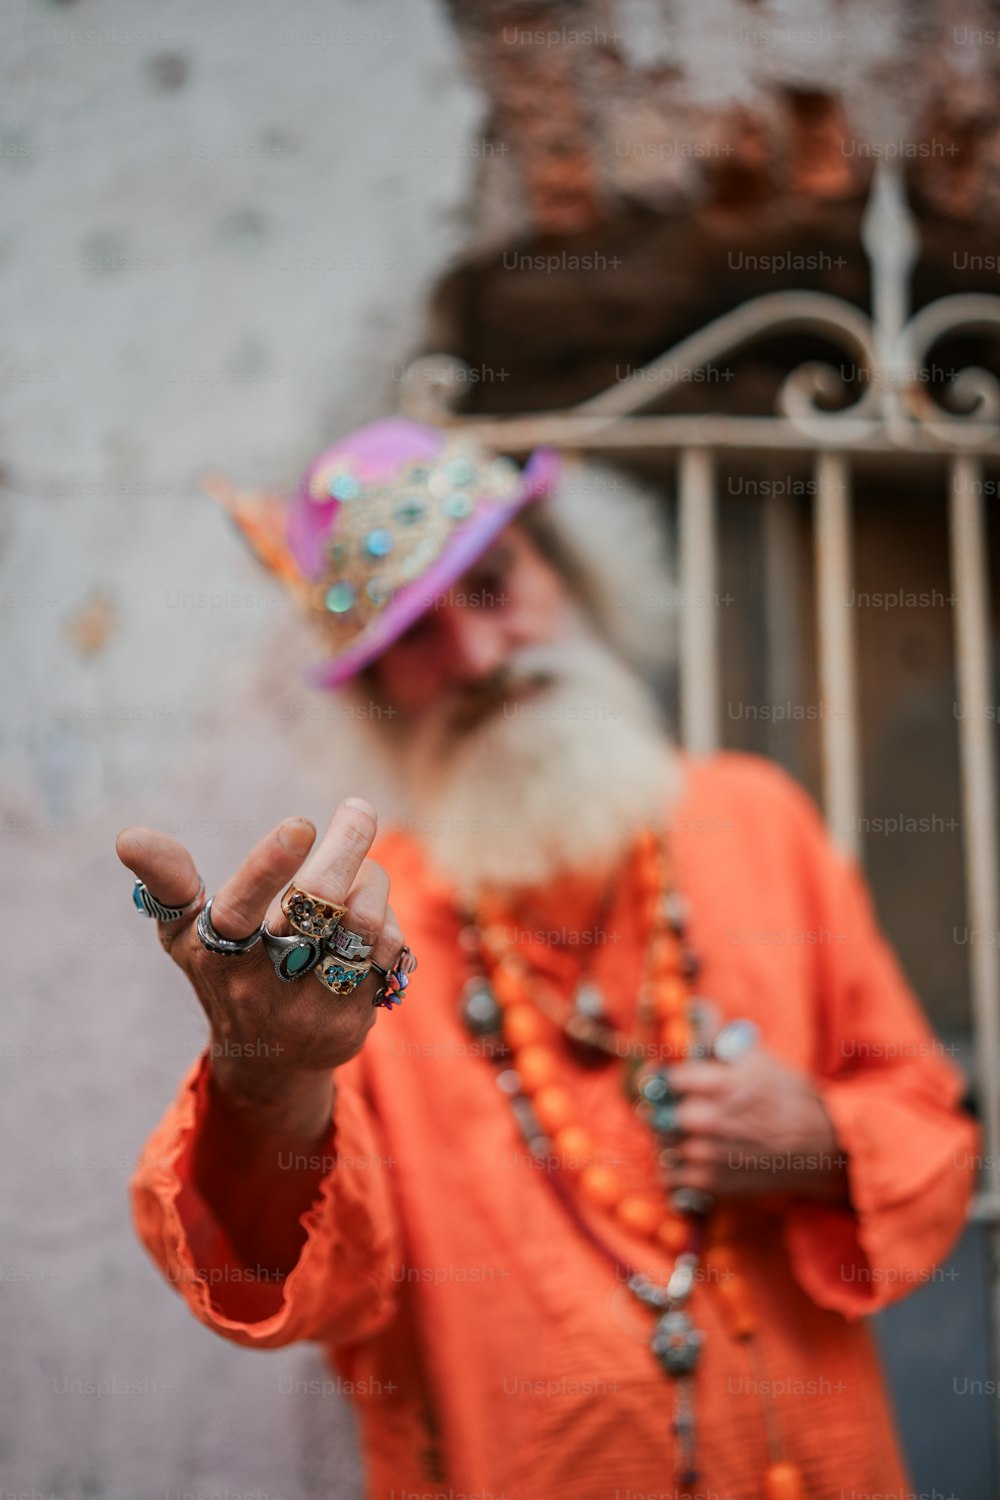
[319,944]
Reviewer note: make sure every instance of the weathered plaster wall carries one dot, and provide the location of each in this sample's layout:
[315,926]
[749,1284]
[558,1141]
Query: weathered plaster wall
[221,225]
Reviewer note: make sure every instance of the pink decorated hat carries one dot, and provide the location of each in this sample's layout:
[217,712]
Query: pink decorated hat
[381,526]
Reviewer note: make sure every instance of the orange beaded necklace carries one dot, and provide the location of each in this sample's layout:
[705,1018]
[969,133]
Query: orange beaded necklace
[507,1006]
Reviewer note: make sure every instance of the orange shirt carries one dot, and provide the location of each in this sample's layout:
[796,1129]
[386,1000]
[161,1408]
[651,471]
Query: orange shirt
[490,1350]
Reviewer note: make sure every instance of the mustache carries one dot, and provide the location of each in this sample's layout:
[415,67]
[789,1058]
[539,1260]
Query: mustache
[469,704]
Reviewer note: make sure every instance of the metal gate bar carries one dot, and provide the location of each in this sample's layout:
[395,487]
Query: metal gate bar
[975,716]
[698,615]
[836,649]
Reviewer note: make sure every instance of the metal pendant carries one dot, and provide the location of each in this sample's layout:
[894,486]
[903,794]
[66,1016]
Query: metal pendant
[589,1001]
[677,1344]
[735,1039]
[586,1030]
[658,1103]
[480,1011]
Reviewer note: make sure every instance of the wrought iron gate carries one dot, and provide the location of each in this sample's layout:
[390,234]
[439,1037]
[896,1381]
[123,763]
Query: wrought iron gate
[895,416]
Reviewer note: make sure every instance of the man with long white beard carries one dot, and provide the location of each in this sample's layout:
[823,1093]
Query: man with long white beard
[597,1211]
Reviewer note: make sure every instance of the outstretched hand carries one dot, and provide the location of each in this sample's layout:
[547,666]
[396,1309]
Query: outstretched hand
[266,1033]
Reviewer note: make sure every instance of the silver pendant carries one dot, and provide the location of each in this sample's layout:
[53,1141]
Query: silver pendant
[677,1344]
[589,1001]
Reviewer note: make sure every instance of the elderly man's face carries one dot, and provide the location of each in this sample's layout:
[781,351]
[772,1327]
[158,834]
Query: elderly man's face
[510,599]
[523,744]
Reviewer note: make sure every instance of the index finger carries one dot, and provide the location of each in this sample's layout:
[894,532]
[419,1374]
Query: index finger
[704,1078]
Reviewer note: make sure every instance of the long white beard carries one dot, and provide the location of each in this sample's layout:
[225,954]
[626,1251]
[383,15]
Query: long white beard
[569,760]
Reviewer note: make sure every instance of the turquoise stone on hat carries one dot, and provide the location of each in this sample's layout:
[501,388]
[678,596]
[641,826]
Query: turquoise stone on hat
[344,487]
[460,470]
[378,543]
[340,598]
[411,509]
[457,506]
[378,591]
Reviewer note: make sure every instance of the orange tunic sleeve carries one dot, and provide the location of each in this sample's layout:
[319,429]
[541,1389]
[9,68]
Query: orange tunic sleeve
[893,1097]
[340,1289]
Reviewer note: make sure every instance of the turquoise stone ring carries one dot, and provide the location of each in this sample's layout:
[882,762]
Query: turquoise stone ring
[291,957]
[147,905]
[341,975]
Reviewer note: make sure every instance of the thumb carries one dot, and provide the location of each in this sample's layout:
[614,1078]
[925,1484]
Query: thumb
[163,864]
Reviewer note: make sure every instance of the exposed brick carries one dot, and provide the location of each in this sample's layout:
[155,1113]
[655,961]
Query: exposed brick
[727,132]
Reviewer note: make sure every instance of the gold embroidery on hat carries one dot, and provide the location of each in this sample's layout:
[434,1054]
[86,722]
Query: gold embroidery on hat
[388,533]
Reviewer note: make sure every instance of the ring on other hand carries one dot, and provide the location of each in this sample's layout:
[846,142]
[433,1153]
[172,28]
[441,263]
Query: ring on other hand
[664,1119]
[291,957]
[692,1201]
[311,915]
[340,975]
[148,905]
[216,943]
[348,944]
[736,1039]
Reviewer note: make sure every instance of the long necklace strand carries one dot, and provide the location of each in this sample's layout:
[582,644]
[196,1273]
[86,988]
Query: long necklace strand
[507,1006]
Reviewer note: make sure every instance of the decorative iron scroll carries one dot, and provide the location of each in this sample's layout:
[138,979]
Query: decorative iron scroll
[888,350]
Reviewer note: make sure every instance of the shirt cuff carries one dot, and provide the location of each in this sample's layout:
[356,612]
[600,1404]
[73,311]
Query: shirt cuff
[340,1286]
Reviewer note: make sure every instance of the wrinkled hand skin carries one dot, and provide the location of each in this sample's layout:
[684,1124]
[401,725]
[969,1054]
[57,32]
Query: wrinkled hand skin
[274,1045]
[754,1126]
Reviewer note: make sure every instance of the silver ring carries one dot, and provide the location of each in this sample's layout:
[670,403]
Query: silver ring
[291,956]
[736,1039]
[216,943]
[692,1201]
[147,905]
[347,944]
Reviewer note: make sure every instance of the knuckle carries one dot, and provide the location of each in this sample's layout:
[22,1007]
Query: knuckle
[366,912]
[390,941]
[242,993]
[354,827]
[365,927]
[365,924]
[392,933]
[185,949]
[259,868]
[235,919]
